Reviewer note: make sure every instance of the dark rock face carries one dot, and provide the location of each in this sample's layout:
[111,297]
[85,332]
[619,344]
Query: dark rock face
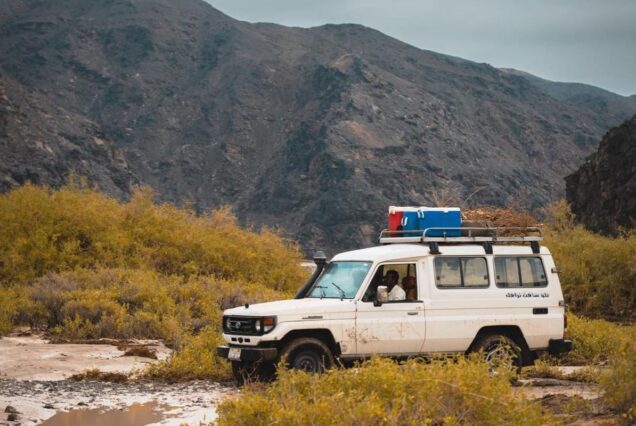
[603,191]
[41,142]
[314,130]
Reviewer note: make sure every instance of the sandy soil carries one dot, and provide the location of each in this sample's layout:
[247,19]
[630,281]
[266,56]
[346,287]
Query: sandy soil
[34,358]
[539,388]
[32,373]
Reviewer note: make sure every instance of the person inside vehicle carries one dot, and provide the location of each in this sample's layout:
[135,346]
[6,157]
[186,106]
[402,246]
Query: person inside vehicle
[396,292]
[409,284]
[377,280]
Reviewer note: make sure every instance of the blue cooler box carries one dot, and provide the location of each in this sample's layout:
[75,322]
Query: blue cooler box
[440,217]
[410,221]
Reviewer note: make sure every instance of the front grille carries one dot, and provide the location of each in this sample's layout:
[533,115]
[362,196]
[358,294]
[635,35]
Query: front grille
[240,325]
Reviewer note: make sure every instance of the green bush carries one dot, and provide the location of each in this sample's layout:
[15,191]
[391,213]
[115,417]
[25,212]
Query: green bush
[7,311]
[197,360]
[619,382]
[382,392]
[602,342]
[597,273]
[595,341]
[82,266]
[46,230]
[133,303]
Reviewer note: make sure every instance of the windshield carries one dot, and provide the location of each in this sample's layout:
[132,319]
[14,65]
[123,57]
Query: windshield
[340,280]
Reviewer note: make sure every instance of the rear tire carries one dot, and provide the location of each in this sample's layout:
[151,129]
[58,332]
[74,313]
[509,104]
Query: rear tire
[307,354]
[500,351]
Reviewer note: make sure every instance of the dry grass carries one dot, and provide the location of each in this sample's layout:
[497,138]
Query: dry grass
[500,217]
[83,266]
[545,370]
[99,376]
[597,273]
[382,392]
[140,351]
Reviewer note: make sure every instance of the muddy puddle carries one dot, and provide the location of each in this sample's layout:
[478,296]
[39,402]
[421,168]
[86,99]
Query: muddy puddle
[135,415]
[98,403]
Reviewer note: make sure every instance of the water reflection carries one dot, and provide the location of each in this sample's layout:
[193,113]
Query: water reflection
[134,415]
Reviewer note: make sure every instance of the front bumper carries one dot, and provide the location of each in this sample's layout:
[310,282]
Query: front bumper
[559,346]
[249,354]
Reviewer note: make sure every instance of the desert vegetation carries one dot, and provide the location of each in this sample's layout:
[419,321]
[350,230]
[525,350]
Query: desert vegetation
[382,392]
[79,265]
[614,346]
[597,272]
[459,391]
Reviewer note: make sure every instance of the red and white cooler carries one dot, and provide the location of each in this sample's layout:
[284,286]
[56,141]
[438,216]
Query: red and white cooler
[403,219]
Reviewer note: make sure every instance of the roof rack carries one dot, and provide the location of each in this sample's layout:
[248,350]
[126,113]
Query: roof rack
[466,235]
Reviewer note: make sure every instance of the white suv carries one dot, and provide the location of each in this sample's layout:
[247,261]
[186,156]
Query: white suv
[457,295]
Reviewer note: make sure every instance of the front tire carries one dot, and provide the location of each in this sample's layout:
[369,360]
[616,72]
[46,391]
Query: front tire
[307,354]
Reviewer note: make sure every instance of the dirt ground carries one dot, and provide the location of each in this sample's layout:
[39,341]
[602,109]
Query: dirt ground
[32,373]
[31,357]
[33,385]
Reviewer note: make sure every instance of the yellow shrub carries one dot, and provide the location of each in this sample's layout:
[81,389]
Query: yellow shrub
[594,341]
[597,273]
[602,341]
[7,311]
[77,328]
[17,308]
[46,230]
[381,392]
[197,360]
[132,303]
[619,383]
[84,265]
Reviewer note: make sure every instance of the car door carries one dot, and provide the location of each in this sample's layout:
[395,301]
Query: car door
[394,327]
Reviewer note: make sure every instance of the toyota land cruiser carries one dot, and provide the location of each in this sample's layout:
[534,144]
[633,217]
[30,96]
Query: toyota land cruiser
[476,292]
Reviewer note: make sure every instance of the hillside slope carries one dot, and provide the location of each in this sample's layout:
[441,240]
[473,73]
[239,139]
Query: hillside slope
[315,130]
[602,191]
[609,106]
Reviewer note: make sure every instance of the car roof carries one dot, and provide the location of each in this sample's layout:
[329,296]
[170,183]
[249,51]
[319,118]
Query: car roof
[392,252]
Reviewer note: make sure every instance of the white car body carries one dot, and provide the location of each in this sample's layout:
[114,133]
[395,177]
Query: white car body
[441,320]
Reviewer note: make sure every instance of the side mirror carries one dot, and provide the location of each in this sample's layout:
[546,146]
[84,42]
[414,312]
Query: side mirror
[382,295]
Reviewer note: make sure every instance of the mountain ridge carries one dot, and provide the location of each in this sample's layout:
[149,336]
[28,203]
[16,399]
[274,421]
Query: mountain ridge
[582,94]
[314,130]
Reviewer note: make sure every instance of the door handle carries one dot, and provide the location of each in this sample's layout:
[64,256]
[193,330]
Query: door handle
[412,313]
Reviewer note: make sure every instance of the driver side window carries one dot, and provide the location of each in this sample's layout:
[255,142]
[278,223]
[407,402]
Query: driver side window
[400,280]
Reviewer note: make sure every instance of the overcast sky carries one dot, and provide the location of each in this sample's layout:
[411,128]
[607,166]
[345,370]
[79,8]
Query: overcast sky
[588,41]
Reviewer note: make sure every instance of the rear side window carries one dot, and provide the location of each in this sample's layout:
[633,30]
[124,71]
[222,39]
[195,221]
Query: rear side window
[461,272]
[520,272]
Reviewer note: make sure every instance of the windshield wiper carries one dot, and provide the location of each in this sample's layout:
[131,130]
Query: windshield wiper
[322,290]
[342,292]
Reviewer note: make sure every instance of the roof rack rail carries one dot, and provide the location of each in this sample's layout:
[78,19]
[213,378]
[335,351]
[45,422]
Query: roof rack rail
[466,235]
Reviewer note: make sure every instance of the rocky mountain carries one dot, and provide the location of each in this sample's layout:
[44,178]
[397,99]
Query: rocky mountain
[313,130]
[601,101]
[42,142]
[602,192]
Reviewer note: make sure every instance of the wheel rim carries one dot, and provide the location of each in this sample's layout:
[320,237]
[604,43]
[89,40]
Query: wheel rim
[501,354]
[307,361]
